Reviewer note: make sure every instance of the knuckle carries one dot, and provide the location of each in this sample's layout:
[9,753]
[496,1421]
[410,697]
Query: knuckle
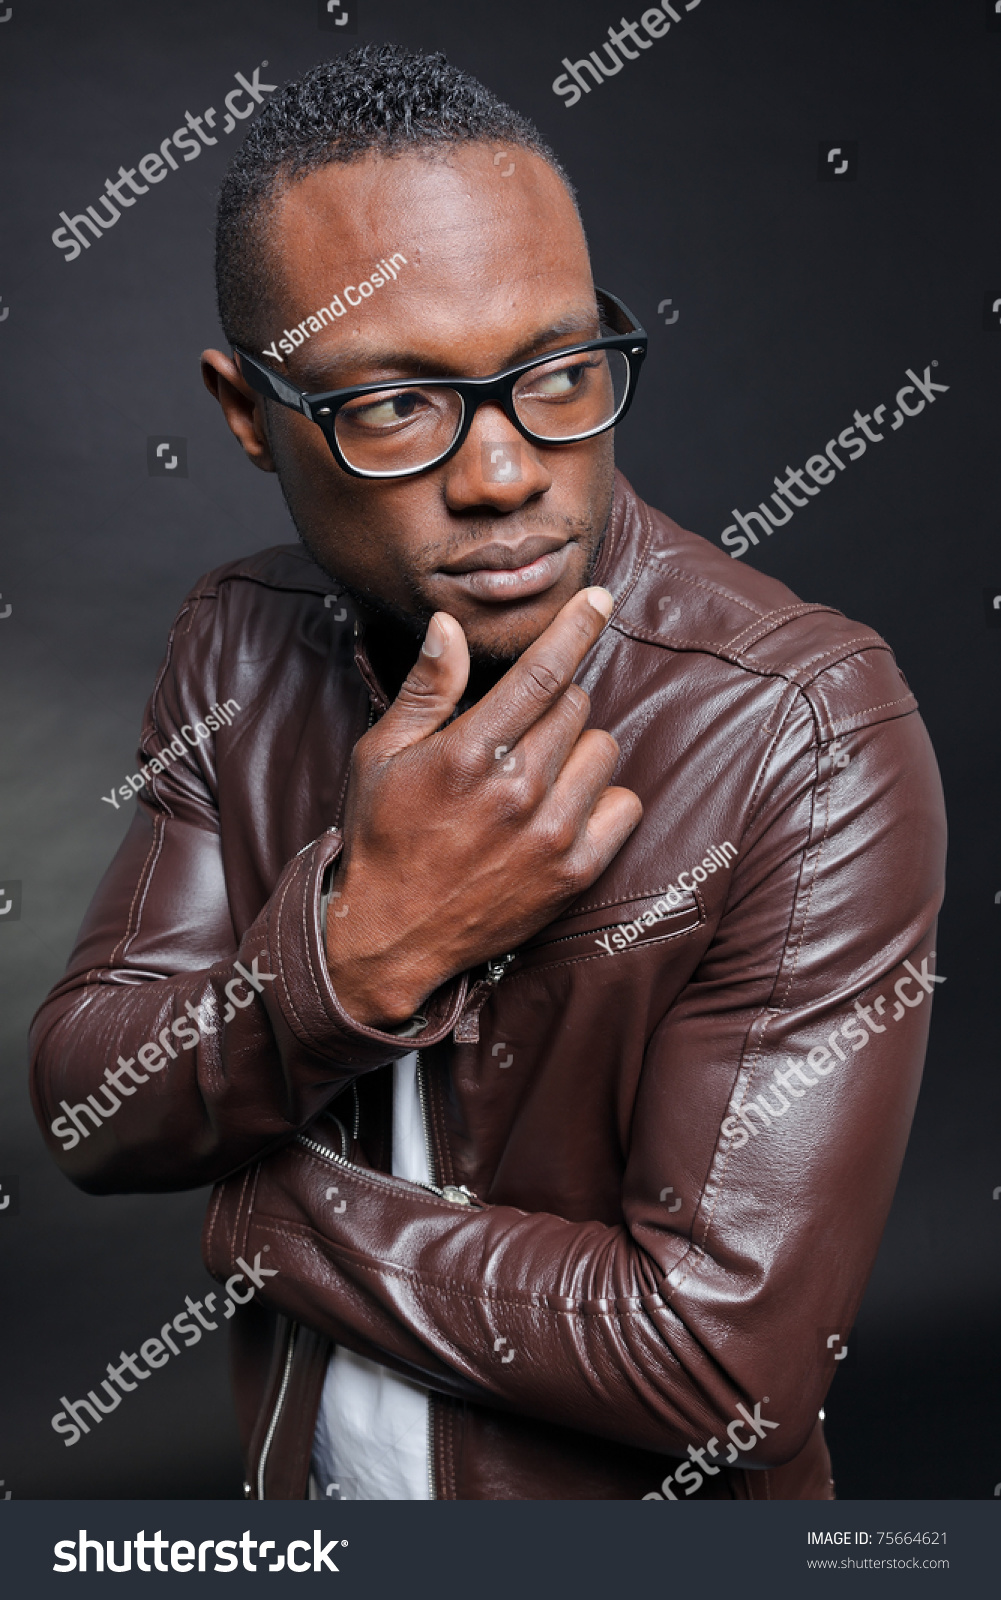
[515,799]
[542,681]
[581,872]
[416,691]
[556,835]
[458,768]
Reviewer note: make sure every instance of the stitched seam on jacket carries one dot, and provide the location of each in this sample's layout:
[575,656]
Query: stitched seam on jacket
[796,695]
[306,940]
[143,882]
[245,1213]
[601,955]
[630,900]
[847,722]
[638,559]
[661,569]
[617,1306]
[815,873]
[158,685]
[712,647]
[869,641]
[159,825]
[212,1218]
[772,621]
[303,1032]
[302,586]
[762,1016]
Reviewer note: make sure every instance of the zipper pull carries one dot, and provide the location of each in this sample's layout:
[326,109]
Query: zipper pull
[467,1029]
[458,1194]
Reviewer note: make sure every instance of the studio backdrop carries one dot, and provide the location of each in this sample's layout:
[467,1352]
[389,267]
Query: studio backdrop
[799,201]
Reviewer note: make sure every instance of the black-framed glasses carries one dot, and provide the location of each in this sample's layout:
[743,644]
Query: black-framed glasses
[393,430]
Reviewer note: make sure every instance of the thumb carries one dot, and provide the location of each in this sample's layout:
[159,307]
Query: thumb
[432,688]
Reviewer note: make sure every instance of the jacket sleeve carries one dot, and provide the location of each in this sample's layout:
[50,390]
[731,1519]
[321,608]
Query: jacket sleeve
[774,1103]
[173,1052]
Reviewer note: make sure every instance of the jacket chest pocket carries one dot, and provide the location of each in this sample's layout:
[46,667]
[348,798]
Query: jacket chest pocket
[597,932]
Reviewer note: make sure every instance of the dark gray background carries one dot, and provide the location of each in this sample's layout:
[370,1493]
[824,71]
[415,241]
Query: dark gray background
[798,302]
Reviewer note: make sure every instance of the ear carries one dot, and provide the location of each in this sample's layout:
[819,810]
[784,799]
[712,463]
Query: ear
[242,406]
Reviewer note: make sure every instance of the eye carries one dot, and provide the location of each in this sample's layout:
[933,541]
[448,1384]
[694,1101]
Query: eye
[558,383]
[374,412]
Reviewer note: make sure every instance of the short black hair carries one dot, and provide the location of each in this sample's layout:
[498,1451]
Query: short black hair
[377,97]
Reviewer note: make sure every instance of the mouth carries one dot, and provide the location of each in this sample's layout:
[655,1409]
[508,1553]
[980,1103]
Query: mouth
[502,572]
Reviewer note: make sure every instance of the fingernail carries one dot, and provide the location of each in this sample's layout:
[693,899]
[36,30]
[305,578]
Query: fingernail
[435,639]
[601,600]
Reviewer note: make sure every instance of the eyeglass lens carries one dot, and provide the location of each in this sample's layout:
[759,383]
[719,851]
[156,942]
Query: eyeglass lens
[401,429]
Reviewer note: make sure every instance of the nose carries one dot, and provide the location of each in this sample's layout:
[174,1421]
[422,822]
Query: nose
[496,467]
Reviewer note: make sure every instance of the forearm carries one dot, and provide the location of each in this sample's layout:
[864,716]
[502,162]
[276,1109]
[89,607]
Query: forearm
[580,1324]
[168,1081]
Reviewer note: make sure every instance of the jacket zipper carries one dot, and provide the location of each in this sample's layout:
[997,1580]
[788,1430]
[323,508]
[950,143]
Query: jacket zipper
[276,1413]
[426,1124]
[455,1194]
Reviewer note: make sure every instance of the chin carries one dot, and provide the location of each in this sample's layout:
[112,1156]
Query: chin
[505,638]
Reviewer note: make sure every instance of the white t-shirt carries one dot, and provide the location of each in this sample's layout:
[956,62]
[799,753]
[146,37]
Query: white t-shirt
[371,1439]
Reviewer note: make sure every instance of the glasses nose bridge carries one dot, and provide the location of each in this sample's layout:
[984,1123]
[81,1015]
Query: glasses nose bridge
[495,391]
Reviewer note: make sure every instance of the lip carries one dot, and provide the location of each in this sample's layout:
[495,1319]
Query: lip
[499,557]
[491,575]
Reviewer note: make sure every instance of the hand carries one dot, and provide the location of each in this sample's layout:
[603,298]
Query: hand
[461,842]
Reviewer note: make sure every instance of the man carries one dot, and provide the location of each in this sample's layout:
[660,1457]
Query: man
[536,1102]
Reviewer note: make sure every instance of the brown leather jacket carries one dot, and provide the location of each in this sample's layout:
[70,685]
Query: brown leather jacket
[680,1111]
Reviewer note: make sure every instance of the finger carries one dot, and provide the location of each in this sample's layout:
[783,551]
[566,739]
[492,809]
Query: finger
[543,751]
[586,774]
[539,676]
[617,814]
[431,690]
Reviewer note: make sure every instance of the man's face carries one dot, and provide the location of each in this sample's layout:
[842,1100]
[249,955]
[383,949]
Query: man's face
[496,272]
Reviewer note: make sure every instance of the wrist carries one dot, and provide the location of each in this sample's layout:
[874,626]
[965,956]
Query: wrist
[377,988]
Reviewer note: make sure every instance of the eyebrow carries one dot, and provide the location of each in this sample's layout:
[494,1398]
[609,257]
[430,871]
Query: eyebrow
[317,370]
